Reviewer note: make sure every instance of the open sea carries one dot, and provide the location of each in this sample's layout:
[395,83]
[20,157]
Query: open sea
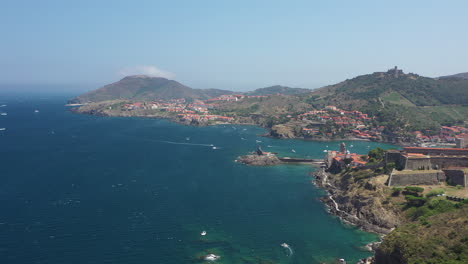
[87,189]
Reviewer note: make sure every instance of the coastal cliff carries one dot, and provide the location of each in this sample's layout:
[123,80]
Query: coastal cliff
[417,224]
[362,203]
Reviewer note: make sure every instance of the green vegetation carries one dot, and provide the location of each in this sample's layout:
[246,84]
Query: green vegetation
[436,233]
[433,229]
[407,103]
[435,192]
[376,155]
[278,89]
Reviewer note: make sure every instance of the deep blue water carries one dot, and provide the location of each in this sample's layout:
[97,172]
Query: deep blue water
[87,189]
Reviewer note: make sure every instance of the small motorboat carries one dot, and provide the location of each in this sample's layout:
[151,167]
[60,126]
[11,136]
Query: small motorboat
[293,150]
[187,138]
[258,141]
[36,111]
[212,257]
[285,245]
[203,233]
[3,114]
[2,129]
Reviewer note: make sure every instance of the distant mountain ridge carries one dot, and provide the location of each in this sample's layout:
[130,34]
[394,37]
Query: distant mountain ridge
[278,89]
[463,75]
[146,88]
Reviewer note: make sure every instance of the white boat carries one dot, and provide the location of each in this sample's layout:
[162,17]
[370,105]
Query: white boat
[258,141]
[215,148]
[325,150]
[212,257]
[285,245]
[3,114]
[187,138]
[293,150]
[203,233]
[36,111]
[2,129]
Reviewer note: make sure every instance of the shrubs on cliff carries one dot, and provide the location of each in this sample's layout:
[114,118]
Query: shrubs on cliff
[441,238]
[415,200]
[413,190]
[435,192]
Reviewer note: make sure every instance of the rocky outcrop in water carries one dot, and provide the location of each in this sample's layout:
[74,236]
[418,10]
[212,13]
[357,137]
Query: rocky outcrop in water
[259,160]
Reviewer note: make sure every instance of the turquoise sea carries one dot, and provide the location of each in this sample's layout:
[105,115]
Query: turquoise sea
[87,189]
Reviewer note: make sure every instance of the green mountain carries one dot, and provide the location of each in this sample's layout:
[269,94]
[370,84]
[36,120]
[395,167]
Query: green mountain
[145,88]
[278,89]
[399,99]
[394,86]
[463,75]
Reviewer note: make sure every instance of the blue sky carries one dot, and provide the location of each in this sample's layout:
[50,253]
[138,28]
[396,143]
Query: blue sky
[236,45]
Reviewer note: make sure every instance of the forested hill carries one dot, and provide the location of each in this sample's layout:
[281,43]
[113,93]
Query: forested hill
[463,75]
[278,89]
[398,99]
[145,88]
[394,86]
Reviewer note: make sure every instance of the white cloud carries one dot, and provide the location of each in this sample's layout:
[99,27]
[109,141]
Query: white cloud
[149,70]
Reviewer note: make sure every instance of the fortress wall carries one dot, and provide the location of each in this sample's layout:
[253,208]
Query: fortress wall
[437,151]
[416,163]
[416,178]
[395,157]
[456,177]
[447,162]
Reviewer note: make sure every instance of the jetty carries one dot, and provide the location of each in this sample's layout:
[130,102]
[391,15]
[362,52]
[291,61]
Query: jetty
[263,158]
[301,160]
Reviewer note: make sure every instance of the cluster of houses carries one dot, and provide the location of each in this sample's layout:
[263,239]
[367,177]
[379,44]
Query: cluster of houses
[449,134]
[197,110]
[356,121]
[336,116]
[233,97]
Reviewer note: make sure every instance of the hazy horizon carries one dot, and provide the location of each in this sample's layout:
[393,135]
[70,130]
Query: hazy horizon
[235,46]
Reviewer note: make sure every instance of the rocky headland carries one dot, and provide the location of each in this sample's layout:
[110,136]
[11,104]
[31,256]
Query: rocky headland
[361,203]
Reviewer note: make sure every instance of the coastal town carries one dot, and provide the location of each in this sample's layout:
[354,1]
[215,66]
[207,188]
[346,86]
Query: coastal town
[330,122]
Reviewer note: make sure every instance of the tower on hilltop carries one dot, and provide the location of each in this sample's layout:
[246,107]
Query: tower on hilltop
[343,148]
[395,72]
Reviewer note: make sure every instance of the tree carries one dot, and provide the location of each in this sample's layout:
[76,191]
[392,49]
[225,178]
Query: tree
[376,154]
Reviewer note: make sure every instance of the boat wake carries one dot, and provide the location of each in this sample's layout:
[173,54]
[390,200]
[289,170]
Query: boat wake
[286,246]
[183,143]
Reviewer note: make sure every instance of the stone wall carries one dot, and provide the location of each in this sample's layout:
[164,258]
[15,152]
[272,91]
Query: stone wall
[413,163]
[433,162]
[397,157]
[447,162]
[398,178]
[456,177]
[437,151]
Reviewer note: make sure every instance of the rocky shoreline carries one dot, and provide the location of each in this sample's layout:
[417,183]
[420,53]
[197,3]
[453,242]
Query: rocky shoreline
[364,212]
[342,206]
[102,109]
